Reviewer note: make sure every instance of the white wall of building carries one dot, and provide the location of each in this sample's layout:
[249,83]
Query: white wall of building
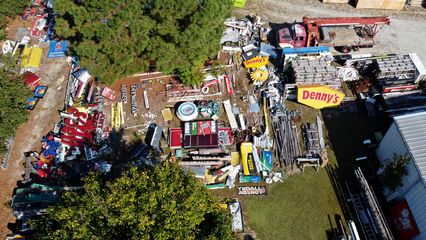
[413,189]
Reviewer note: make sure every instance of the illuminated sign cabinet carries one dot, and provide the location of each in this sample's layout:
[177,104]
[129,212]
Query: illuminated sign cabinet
[319,96]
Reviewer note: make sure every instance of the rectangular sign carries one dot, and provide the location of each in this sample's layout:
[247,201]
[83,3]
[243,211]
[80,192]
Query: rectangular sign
[404,221]
[318,96]
[252,190]
[57,49]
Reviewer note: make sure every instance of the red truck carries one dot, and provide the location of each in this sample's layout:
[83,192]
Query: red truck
[343,33]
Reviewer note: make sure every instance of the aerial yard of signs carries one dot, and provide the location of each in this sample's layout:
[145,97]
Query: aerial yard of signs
[273,114]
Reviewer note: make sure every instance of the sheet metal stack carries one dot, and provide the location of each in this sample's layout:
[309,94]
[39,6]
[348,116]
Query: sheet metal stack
[286,142]
[314,71]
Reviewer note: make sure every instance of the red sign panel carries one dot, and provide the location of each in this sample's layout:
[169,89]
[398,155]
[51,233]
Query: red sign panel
[399,89]
[228,85]
[404,221]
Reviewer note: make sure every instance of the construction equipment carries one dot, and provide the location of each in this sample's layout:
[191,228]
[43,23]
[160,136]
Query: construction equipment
[343,33]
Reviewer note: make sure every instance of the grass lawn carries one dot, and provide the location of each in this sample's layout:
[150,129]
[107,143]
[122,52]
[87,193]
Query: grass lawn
[299,208]
[296,209]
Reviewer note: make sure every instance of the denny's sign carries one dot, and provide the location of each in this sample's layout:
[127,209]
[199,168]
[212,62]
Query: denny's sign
[256,62]
[318,96]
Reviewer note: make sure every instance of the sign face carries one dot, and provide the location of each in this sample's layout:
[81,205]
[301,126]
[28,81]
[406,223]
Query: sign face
[256,62]
[404,221]
[57,49]
[252,190]
[318,96]
[399,89]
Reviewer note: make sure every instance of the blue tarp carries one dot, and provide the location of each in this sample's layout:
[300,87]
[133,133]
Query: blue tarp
[306,50]
[57,49]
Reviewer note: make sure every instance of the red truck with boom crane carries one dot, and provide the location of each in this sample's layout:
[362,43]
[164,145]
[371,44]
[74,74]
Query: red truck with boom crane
[342,33]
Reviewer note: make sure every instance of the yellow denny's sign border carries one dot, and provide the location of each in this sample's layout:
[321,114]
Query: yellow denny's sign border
[318,96]
[256,62]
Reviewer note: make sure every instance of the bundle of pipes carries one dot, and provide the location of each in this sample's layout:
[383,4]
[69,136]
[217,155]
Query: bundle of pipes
[286,142]
[314,71]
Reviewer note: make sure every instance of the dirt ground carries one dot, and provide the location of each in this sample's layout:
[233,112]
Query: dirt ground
[28,136]
[401,36]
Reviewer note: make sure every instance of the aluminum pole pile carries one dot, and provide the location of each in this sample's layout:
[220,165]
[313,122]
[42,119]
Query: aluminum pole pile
[286,142]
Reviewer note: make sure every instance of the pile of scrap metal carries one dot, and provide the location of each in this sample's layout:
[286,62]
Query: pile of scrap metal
[31,201]
[242,32]
[42,14]
[369,213]
[390,83]
[76,145]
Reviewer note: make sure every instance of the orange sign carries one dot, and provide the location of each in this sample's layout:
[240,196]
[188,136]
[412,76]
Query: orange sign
[318,96]
[256,62]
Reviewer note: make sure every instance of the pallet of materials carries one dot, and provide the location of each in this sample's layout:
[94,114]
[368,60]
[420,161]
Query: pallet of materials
[381,4]
[314,71]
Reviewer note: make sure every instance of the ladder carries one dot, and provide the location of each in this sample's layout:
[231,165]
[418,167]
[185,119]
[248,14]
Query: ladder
[366,224]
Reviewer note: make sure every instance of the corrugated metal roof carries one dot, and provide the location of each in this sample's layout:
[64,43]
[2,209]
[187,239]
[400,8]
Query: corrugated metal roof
[413,130]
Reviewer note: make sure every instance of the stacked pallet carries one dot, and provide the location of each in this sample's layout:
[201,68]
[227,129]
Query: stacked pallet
[314,71]
[335,1]
[381,4]
[417,3]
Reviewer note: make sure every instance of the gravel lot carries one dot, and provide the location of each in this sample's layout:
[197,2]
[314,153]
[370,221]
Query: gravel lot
[405,34]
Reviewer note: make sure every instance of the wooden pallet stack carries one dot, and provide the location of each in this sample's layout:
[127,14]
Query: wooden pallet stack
[314,71]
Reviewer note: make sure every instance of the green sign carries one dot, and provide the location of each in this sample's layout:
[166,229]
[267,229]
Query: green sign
[239,3]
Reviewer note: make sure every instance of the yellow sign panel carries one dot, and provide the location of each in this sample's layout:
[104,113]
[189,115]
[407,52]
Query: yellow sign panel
[318,96]
[246,149]
[256,62]
[31,57]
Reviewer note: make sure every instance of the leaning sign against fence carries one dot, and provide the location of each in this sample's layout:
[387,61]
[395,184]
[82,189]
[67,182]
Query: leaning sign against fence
[252,190]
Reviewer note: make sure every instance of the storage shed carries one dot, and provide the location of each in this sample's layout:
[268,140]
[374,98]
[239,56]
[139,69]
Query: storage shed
[407,135]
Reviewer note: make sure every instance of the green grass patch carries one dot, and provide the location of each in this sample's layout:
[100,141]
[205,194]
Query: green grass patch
[296,209]
[299,207]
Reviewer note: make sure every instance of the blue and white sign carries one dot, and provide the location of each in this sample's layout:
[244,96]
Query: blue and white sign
[57,49]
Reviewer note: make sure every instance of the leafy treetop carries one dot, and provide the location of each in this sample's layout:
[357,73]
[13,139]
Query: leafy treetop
[13,96]
[161,203]
[117,38]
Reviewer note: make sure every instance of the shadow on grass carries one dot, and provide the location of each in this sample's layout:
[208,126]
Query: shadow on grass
[346,133]
[335,179]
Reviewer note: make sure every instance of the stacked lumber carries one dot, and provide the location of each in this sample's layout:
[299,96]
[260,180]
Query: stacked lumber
[381,4]
[314,71]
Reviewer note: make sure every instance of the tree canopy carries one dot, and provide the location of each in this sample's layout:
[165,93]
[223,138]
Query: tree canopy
[395,170]
[13,96]
[117,38]
[159,203]
[9,8]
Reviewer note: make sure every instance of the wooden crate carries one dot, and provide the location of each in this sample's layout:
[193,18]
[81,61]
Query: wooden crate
[335,1]
[381,4]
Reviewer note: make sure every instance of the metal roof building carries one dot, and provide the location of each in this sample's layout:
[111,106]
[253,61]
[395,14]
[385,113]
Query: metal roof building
[407,135]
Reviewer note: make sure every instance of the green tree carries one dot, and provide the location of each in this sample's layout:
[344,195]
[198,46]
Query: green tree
[395,170]
[117,38]
[13,96]
[160,203]
[9,9]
